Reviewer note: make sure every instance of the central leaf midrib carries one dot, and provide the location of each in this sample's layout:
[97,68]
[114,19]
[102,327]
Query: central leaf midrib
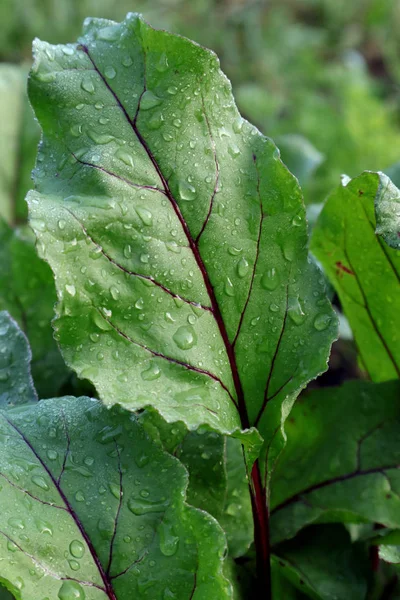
[215,310]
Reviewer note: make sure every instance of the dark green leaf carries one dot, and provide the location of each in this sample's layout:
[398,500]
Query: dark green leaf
[28,293]
[322,563]
[217,477]
[16,385]
[341,459]
[4,594]
[364,270]
[177,236]
[92,509]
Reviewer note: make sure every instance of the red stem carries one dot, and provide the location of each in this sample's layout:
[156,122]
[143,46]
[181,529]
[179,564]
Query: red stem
[261,533]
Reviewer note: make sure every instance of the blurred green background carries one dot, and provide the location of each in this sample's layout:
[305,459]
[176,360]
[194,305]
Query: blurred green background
[321,77]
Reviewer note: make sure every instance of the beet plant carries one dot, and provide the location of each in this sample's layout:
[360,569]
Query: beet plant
[188,298]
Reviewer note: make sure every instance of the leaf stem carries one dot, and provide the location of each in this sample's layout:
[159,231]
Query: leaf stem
[261,533]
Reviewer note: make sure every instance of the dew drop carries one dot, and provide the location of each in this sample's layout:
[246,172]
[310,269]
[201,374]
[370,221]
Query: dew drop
[110,72]
[87,85]
[74,565]
[140,506]
[115,490]
[153,372]
[242,267]
[100,138]
[185,337]
[105,526]
[16,523]
[145,216]
[124,156]
[162,64]
[40,482]
[233,150]
[229,289]
[169,542]
[71,590]
[270,279]
[149,100]
[71,290]
[77,549]
[108,34]
[187,191]
[322,321]
[295,311]
[127,61]
[114,291]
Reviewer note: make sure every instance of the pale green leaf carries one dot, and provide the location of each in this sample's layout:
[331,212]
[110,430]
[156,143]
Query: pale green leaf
[177,236]
[92,509]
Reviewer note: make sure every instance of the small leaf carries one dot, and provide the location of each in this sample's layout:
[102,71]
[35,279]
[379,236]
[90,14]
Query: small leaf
[84,516]
[353,432]
[177,237]
[27,292]
[363,269]
[16,385]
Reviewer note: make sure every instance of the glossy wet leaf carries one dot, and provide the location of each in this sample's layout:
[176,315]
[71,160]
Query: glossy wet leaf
[323,564]
[20,137]
[16,385]
[85,517]
[176,235]
[217,476]
[341,459]
[364,270]
[28,293]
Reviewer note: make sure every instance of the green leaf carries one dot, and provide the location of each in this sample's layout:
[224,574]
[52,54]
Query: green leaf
[218,482]
[20,137]
[92,509]
[4,594]
[16,385]
[387,210]
[176,235]
[323,564]
[364,270]
[27,292]
[341,459]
